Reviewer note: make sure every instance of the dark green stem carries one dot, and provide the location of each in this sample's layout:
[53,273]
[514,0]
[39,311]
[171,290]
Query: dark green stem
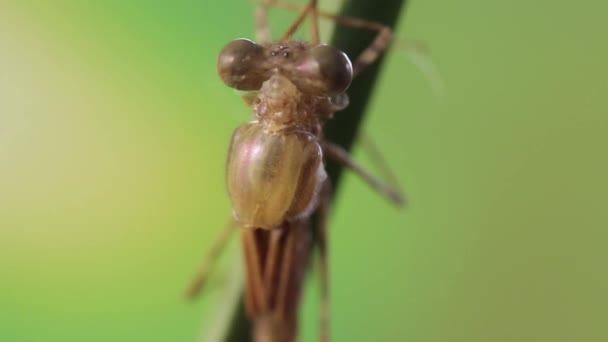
[343,129]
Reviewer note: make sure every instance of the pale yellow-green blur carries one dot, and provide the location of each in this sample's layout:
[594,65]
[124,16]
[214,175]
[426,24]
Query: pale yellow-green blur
[114,129]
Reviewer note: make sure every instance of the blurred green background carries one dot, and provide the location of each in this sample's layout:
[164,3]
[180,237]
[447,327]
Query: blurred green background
[113,134]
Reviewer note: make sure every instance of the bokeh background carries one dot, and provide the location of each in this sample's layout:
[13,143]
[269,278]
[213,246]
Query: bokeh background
[113,134]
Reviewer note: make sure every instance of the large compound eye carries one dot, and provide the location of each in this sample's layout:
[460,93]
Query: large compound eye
[335,69]
[240,65]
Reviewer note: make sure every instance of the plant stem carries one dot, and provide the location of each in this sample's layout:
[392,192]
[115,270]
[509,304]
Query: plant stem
[343,128]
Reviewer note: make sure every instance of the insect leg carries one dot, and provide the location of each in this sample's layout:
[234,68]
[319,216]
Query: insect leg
[341,156]
[368,56]
[323,215]
[273,262]
[262,30]
[203,272]
[255,292]
[310,8]
[378,160]
[382,40]
[314,24]
[304,11]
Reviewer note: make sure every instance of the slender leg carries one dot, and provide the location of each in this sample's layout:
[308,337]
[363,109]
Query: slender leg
[384,37]
[376,47]
[285,275]
[369,55]
[340,155]
[273,258]
[255,278]
[314,24]
[262,30]
[203,272]
[378,160]
[311,8]
[323,211]
[296,24]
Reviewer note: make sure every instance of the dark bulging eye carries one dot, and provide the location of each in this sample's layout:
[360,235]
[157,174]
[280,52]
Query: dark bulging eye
[335,68]
[240,65]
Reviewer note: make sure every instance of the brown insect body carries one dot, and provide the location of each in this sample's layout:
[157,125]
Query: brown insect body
[274,174]
[275,171]
[275,263]
[274,168]
[272,177]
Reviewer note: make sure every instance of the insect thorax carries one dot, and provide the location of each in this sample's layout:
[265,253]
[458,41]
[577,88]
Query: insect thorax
[280,106]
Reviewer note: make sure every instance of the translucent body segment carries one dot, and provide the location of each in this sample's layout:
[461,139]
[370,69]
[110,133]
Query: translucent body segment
[272,177]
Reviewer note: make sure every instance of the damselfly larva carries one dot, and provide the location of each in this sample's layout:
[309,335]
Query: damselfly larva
[275,167]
